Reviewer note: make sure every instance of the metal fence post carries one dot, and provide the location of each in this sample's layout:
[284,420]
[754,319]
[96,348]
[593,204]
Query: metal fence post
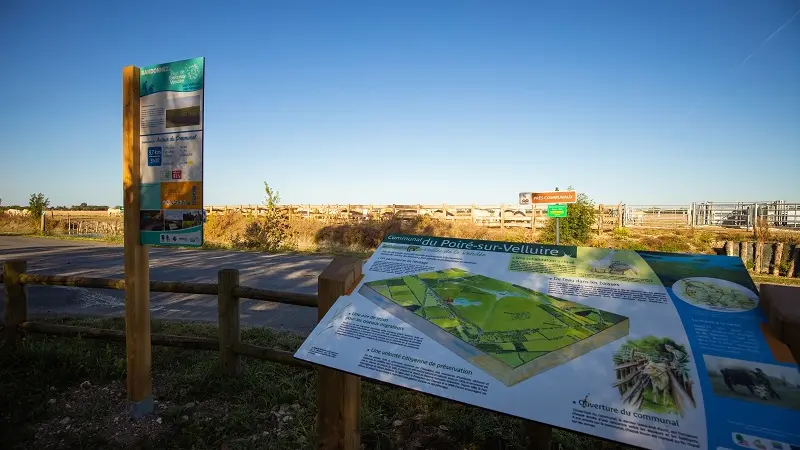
[229,332]
[16,300]
[338,393]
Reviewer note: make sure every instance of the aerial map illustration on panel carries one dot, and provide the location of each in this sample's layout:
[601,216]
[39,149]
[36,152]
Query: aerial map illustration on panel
[715,294]
[509,331]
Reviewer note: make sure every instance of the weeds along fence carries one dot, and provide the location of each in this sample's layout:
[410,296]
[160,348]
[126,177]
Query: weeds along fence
[338,393]
[492,216]
[777,214]
[81,225]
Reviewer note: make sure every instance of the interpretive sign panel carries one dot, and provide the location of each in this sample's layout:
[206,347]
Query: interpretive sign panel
[652,349]
[171,139]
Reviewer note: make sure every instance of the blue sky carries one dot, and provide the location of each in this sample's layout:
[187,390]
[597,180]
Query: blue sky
[418,101]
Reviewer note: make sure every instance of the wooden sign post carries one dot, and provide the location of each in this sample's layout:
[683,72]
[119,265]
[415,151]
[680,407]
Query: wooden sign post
[137,267]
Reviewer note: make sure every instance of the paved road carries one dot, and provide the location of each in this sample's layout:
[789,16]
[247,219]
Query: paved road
[296,273]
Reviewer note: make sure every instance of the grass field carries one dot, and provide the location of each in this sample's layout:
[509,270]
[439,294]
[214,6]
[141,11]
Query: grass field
[70,393]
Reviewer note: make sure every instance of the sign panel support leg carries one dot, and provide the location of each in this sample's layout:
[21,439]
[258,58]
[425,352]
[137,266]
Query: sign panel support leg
[558,231]
[338,393]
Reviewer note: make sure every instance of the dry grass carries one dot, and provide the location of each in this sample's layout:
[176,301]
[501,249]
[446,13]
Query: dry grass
[309,235]
[15,225]
[94,215]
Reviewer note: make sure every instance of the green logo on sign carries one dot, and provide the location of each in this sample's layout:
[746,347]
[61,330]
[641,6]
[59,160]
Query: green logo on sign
[556,210]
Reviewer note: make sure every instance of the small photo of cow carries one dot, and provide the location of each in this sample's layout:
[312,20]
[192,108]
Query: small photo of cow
[754,382]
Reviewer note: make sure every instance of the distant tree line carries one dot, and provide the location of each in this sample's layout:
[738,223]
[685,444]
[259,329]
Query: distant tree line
[83,207]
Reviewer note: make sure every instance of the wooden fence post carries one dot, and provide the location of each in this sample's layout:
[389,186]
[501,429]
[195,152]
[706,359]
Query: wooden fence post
[228,309]
[729,248]
[16,300]
[502,216]
[777,257]
[758,251]
[619,216]
[600,218]
[538,436]
[794,261]
[338,393]
[43,223]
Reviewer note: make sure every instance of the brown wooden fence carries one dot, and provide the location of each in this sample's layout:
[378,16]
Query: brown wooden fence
[338,393]
[492,216]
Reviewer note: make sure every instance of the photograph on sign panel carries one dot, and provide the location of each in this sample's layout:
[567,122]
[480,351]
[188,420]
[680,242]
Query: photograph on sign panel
[512,332]
[654,374]
[183,111]
[192,218]
[757,382]
[183,117]
[151,221]
[173,220]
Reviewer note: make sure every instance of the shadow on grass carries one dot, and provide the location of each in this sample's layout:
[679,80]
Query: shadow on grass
[268,406]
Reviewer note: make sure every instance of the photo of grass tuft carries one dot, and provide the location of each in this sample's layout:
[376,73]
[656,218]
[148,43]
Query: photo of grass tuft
[513,332]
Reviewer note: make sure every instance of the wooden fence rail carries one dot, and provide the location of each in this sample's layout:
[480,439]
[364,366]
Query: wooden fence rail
[338,393]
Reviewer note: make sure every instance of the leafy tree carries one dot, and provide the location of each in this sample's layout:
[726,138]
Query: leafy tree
[270,231]
[577,226]
[37,204]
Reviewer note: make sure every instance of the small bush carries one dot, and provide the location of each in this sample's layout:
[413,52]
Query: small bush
[270,231]
[36,206]
[577,226]
[761,230]
[705,237]
[621,232]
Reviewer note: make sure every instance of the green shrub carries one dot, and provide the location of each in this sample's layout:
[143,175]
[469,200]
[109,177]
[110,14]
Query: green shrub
[621,232]
[705,237]
[270,231]
[577,226]
[36,206]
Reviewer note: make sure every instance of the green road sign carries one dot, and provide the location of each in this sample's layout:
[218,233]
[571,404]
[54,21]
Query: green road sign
[556,210]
